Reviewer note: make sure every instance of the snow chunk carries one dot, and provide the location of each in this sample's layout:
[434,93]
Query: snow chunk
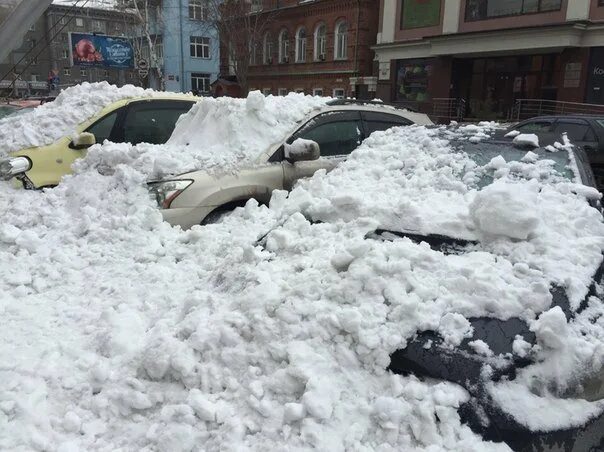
[506,209]
[527,139]
[512,134]
[454,328]
[551,328]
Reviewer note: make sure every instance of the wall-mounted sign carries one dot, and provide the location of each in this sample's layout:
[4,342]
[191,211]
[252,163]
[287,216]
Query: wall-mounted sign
[99,50]
[572,75]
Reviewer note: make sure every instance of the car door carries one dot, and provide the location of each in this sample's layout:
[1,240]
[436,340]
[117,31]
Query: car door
[337,133]
[151,121]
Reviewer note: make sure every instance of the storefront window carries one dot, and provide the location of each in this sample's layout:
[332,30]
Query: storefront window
[420,13]
[412,80]
[488,9]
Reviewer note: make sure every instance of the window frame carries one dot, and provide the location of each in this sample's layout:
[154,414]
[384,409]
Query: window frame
[196,48]
[198,10]
[301,45]
[580,122]
[201,76]
[334,95]
[284,46]
[113,134]
[341,41]
[79,22]
[267,48]
[320,42]
[395,119]
[486,17]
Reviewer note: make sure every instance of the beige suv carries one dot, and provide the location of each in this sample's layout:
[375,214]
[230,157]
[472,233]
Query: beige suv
[323,140]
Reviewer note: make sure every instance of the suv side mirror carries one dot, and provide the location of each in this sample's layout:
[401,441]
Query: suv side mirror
[83,140]
[301,150]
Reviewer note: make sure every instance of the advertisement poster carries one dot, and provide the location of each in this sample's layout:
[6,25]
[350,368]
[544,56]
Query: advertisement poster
[101,51]
[420,13]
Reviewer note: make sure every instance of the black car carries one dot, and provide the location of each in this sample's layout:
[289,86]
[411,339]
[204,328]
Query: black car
[586,132]
[427,356]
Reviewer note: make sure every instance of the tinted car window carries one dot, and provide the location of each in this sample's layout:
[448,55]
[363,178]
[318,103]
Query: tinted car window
[382,121]
[153,122]
[103,127]
[337,133]
[576,131]
[535,127]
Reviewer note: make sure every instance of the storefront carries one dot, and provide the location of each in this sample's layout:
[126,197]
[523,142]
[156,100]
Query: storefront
[595,81]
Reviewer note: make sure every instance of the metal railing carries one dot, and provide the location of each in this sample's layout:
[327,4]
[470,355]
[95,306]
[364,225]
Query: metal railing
[449,108]
[529,108]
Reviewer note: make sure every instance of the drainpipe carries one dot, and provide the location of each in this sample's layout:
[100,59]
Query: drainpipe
[182,55]
[356,45]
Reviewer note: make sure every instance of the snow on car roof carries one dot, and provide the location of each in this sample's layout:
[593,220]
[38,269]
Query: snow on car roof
[273,329]
[54,120]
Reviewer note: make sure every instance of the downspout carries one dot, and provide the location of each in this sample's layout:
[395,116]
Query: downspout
[182,55]
[356,45]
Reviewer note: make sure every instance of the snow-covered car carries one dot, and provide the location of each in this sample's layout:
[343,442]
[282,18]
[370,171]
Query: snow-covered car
[133,119]
[324,139]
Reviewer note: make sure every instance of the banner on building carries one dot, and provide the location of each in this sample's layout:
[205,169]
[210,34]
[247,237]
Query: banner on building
[87,49]
[420,13]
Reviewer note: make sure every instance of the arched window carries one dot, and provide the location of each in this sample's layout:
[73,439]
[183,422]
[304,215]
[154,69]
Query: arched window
[284,47]
[253,50]
[267,49]
[320,42]
[301,45]
[341,41]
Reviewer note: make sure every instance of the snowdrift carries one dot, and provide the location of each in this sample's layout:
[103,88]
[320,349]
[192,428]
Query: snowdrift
[272,330]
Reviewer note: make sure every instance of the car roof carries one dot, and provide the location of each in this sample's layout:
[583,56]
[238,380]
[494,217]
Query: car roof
[417,118]
[554,117]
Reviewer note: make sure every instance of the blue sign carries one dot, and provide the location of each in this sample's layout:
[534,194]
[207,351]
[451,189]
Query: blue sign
[101,51]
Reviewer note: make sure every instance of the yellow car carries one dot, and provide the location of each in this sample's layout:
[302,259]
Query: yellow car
[133,120]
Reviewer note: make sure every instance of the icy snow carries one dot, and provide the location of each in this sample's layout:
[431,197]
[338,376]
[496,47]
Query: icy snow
[270,331]
[526,139]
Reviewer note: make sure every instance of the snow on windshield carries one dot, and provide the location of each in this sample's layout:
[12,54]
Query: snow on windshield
[269,330]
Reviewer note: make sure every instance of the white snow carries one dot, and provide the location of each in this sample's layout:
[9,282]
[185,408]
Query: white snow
[269,331]
[527,139]
[512,134]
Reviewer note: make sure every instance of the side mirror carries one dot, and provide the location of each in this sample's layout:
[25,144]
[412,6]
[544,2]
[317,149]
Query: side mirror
[83,140]
[302,150]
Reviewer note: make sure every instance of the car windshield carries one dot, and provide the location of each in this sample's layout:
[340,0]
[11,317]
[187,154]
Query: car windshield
[7,110]
[522,163]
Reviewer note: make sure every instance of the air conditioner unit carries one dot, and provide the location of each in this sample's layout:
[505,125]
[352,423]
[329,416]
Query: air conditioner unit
[322,57]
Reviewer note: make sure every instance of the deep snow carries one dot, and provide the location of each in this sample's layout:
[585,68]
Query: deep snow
[270,331]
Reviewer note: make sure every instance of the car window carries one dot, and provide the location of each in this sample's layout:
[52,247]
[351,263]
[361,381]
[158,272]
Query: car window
[382,121]
[535,126]
[337,133]
[600,122]
[103,127]
[590,135]
[153,122]
[576,131]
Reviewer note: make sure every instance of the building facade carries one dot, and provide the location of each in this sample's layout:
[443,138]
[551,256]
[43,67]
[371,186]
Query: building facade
[191,50]
[48,37]
[490,53]
[319,47]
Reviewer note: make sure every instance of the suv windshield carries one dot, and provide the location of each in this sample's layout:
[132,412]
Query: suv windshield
[522,163]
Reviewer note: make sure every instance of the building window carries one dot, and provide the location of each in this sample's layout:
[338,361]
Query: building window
[200,47]
[339,93]
[341,44]
[283,91]
[266,91]
[64,54]
[284,47]
[198,9]
[159,50]
[35,77]
[253,49]
[105,73]
[63,20]
[64,37]
[79,22]
[98,25]
[83,73]
[200,83]
[66,71]
[488,9]
[412,80]
[256,5]
[267,51]
[301,45]
[418,14]
[320,42]
[317,92]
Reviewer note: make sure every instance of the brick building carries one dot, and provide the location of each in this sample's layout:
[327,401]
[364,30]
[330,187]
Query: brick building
[320,47]
[490,53]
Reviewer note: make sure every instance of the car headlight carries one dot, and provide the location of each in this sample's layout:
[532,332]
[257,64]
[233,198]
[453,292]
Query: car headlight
[166,192]
[9,168]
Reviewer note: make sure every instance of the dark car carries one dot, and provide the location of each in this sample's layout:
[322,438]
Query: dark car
[427,356]
[584,131]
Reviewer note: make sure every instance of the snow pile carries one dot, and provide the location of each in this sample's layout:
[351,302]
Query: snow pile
[527,139]
[272,330]
[47,123]
[215,135]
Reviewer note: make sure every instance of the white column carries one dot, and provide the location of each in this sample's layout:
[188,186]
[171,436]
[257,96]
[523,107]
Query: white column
[386,34]
[578,10]
[451,16]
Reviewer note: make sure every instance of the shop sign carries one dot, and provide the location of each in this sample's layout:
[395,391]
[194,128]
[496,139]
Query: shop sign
[572,75]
